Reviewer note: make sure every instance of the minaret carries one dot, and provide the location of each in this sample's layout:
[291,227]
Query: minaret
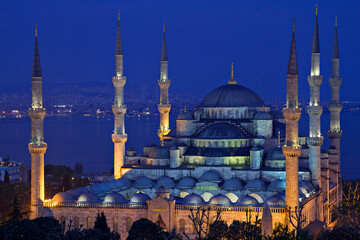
[292,149]
[37,146]
[315,140]
[119,137]
[164,84]
[335,132]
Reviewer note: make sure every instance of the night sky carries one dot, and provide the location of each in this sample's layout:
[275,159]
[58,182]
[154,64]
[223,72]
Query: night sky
[77,43]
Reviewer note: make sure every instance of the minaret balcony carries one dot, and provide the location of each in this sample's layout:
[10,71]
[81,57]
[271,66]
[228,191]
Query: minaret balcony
[314,141]
[164,108]
[37,113]
[119,109]
[37,148]
[335,134]
[119,137]
[335,107]
[119,81]
[36,79]
[292,114]
[164,83]
[292,151]
[314,110]
[335,82]
[315,81]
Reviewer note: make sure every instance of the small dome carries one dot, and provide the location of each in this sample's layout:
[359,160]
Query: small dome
[193,199]
[247,200]
[275,154]
[255,184]
[185,115]
[307,185]
[277,114]
[210,176]
[62,197]
[77,192]
[232,184]
[277,185]
[221,131]
[114,198]
[275,201]
[262,116]
[131,152]
[166,182]
[139,198]
[159,152]
[143,182]
[186,183]
[232,95]
[162,192]
[220,200]
[122,183]
[88,197]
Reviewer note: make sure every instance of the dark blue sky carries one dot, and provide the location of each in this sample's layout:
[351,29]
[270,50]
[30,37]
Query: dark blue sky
[77,41]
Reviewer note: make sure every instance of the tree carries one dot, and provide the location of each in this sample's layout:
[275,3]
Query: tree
[342,232]
[16,214]
[348,213]
[6,177]
[218,230]
[145,229]
[66,183]
[296,219]
[244,230]
[100,223]
[93,234]
[78,169]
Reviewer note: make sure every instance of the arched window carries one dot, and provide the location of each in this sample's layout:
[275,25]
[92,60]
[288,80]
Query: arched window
[76,222]
[115,225]
[182,226]
[222,144]
[216,144]
[237,114]
[89,222]
[128,224]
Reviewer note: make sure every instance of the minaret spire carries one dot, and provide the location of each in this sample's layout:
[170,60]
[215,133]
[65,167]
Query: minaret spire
[164,83]
[291,147]
[232,80]
[37,146]
[119,137]
[315,44]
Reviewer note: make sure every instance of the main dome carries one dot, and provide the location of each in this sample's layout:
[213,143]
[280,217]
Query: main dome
[232,95]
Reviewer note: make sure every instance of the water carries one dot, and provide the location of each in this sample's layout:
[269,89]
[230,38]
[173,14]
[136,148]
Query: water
[88,140]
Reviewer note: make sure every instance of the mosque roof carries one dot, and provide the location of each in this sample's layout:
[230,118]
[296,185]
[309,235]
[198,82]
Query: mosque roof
[62,197]
[108,186]
[275,201]
[277,185]
[275,154]
[220,200]
[262,116]
[166,182]
[221,131]
[143,182]
[114,198]
[76,192]
[255,184]
[186,183]
[159,152]
[247,200]
[232,95]
[217,152]
[185,115]
[139,198]
[161,190]
[88,197]
[276,114]
[210,176]
[193,199]
[232,184]
[122,183]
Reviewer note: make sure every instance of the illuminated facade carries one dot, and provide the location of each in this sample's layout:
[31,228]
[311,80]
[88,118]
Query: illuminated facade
[232,152]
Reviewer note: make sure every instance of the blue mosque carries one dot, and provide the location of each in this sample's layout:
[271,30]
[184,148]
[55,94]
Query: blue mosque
[231,153]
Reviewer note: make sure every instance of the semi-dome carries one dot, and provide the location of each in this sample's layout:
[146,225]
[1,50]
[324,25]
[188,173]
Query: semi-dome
[232,95]
[210,176]
[277,185]
[220,200]
[221,131]
[122,183]
[185,115]
[275,201]
[108,186]
[262,116]
[114,198]
[88,197]
[186,183]
[76,192]
[139,198]
[193,199]
[143,182]
[255,184]
[232,184]
[62,197]
[247,200]
[166,182]
[275,154]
